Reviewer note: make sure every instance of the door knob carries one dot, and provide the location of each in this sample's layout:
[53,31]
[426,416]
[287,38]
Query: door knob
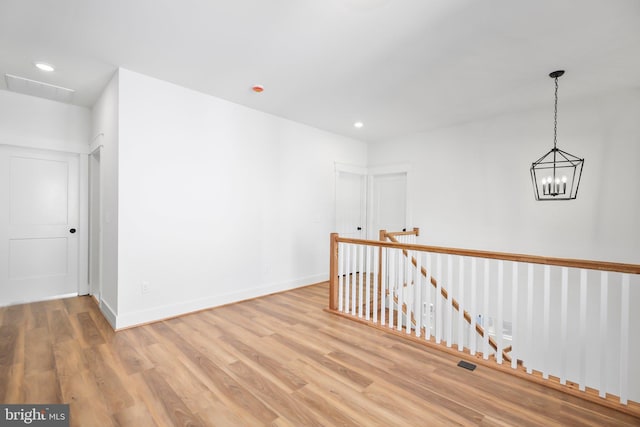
[73,230]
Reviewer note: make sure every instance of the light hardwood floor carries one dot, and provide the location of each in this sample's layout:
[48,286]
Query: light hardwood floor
[279,360]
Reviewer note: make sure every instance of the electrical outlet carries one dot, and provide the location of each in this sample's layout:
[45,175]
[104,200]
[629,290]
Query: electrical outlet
[144,287]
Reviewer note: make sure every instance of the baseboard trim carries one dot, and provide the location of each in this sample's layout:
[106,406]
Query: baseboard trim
[156,314]
[108,313]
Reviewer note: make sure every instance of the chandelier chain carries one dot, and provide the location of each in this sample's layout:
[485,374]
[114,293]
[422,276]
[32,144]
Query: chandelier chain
[555,117]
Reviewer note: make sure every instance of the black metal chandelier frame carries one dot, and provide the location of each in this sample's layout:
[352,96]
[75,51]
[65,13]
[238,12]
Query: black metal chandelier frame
[556,175]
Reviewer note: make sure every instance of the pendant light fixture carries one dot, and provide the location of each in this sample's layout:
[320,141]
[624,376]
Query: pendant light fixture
[556,175]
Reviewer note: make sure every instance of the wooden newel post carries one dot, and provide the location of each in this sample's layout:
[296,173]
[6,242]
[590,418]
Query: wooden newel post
[333,273]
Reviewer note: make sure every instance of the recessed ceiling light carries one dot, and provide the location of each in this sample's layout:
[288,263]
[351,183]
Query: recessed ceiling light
[44,66]
[358,124]
[257,88]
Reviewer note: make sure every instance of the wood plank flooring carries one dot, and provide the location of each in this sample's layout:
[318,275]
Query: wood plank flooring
[279,360]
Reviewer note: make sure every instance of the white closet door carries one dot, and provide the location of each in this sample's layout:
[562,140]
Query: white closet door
[39,205]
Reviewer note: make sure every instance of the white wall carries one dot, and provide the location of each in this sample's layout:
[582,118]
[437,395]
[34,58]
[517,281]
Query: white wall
[470,184]
[217,202]
[28,121]
[105,137]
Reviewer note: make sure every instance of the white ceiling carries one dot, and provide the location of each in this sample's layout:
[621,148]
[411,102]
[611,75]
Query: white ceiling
[400,66]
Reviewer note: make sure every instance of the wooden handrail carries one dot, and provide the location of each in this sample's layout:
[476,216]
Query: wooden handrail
[414,232]
[533,259]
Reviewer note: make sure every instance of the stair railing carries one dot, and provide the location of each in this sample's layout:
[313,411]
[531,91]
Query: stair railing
[565,323]
[410,237]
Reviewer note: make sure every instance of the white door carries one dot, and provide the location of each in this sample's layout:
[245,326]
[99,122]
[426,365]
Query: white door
[351,204]
[388,203]
[39,205]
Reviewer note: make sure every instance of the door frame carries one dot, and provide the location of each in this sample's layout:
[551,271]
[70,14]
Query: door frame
[94,247]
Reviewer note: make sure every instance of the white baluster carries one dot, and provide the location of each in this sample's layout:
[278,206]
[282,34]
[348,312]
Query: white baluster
[410,290]
[624,340]
[461,322]
[438,316]
[582,367]
[347,276]
[473,312]
[449,297]
[368,275]
[354,276]
[417,287]
[340,276]
[563,324]
[604,292]
[384,274]
[485,308]
[427,299]
[360,279]
[545,321]
[499,326]
[402,282]
[530,325]
[375,285]
[393,284]
[514,315]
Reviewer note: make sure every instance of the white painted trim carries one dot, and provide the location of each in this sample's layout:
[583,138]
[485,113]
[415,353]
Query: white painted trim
[390,169]
[163,312]
[59,147]
[343,167]
[94,288]
[96,144]
[83,225]
[98,147]
[375,170]
[108,313]
[407,200]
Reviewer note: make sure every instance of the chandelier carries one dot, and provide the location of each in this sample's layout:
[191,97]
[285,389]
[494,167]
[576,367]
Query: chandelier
[556,175]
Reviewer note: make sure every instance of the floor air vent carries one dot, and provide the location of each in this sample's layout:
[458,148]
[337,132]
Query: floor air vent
[466,365]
